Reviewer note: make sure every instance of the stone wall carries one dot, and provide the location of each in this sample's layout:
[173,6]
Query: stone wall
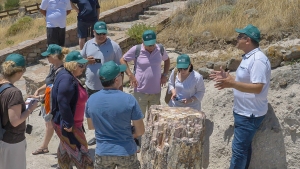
[32,49]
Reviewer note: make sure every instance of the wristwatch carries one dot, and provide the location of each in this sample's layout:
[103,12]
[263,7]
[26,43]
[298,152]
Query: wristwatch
[165,74]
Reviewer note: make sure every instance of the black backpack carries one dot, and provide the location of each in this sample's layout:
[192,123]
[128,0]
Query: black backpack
[2,130]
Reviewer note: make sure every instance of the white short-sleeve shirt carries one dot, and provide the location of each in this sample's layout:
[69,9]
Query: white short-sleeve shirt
[56,12]
[254,68]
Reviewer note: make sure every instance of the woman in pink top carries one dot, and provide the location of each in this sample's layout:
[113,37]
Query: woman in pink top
[68,104]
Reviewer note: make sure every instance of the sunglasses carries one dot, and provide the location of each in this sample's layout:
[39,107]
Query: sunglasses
[101,34]
[80,65]
[179,69]
[120,74]
[242,36]
[151,46]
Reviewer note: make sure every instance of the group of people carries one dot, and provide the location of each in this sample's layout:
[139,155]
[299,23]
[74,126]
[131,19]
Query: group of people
[116,116]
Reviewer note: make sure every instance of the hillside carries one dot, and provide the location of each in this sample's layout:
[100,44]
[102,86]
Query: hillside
[210,24]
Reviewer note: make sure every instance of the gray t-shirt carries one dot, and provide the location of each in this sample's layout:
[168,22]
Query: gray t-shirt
[107,51]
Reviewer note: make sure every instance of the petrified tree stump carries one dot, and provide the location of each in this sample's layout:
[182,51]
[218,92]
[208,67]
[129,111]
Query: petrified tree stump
[173,138]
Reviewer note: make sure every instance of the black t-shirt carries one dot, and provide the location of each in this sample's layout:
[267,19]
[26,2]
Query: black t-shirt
[51,76]
[87,10]
[10,97]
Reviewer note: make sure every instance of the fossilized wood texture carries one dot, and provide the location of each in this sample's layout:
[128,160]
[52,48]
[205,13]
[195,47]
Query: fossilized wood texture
[173,138]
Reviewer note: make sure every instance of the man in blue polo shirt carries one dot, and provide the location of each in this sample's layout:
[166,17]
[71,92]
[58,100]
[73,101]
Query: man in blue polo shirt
[112,118]
[250,90]
[88,14]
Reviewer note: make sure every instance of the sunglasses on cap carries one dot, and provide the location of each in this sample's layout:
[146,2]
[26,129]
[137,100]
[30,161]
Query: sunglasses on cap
[101,34]
[80,65]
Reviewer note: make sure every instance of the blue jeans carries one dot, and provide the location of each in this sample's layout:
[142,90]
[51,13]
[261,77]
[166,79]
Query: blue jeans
[244,131]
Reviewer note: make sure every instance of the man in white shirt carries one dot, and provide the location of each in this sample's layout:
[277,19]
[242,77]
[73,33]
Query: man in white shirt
[56,12]
[250,89]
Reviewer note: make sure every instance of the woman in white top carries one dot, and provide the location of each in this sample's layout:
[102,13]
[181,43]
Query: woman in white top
[188,88]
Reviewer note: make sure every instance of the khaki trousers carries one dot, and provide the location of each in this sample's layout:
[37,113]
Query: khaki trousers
[146,100]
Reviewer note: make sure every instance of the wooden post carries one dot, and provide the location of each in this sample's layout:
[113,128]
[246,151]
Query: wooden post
[173,138]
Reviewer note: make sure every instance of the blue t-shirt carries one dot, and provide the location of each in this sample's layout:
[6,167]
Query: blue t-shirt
[111,112]
[87,10]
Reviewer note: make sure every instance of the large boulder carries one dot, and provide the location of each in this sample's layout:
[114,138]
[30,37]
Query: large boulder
[292,53]
[204,72]
[233,64]
[275,55]
[35,77]
[173,138]
[217,65]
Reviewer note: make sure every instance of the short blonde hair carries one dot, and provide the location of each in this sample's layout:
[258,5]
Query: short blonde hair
[9,69]
[70,66]
[60,56]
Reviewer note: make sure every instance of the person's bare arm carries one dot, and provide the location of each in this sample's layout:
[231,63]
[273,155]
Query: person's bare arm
[166,66]
[16,117]
[133,81]
[90,124]
[163,79]
[139,128]
[98,13]
[43,12]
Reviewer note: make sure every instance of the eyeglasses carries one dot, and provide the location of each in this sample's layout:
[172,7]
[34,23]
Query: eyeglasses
[101,34]
[151,46]
[80,65]
[242,36]
[179,69]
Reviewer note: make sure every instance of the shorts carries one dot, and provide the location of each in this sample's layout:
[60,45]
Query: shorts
[85,29]
[56,35]
[111,162]
[46,117]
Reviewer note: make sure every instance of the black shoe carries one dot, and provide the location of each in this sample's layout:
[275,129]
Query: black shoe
[92,141]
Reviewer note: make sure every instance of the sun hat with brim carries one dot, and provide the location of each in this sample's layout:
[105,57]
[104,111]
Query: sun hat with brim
[110,70]
[75,56]
[183,61]
[100,27]
[52,50]
[149,37]
[17,58]
[251,31]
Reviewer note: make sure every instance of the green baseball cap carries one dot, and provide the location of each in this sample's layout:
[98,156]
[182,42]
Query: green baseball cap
[149,37]
[110,70]
[76,57]
[17,58]
[251,31]
[100,27]
[183,61]
[52,50]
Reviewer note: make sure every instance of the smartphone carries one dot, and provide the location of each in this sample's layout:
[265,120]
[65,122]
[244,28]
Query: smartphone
[98,60]
[179,100]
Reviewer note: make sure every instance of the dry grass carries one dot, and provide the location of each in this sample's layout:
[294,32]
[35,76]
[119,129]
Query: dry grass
[39,25]
[273,16]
